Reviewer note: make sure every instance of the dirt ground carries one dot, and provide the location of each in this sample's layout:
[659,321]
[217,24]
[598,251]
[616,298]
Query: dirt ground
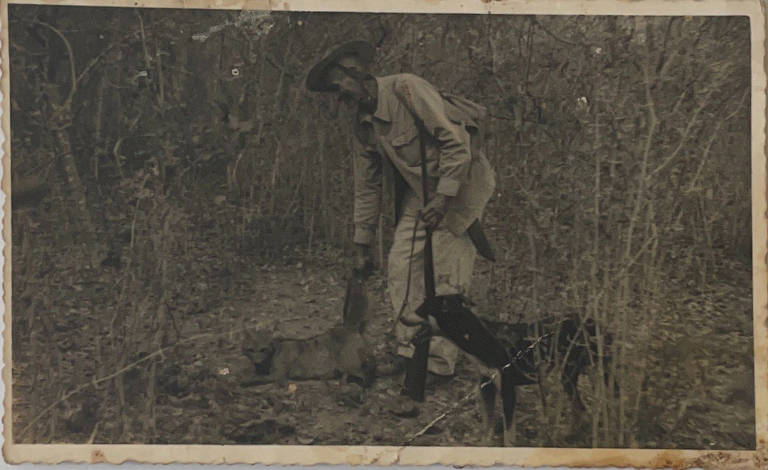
[699,392]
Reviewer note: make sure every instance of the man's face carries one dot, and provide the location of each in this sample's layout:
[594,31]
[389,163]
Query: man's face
[348,87]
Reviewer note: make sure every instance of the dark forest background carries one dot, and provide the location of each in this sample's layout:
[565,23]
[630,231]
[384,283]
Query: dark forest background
[173,179]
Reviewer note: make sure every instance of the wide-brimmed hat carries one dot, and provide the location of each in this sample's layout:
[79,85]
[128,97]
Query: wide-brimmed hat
[316,78]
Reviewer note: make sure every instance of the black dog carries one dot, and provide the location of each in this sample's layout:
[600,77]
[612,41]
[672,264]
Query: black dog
[535,348]
[517,352]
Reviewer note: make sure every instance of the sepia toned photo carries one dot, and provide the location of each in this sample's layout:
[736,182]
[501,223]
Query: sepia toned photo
[302,229]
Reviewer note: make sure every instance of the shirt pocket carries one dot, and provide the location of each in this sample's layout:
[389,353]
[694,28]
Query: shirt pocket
[406,144]
[462,132]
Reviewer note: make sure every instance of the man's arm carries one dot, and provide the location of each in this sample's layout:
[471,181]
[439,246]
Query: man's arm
[426,104]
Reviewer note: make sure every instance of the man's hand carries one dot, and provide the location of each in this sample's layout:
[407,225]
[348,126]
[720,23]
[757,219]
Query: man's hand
[435,211]
[364,260]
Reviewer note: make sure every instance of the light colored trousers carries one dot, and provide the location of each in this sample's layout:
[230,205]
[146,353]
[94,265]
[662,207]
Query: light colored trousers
[454,259]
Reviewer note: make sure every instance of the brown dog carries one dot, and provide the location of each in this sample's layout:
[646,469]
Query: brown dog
[341,352]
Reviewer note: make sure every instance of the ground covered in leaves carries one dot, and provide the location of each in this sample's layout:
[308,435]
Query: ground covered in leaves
[698,394]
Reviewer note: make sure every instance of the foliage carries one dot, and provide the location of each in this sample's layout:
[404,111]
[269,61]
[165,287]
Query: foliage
[621,146]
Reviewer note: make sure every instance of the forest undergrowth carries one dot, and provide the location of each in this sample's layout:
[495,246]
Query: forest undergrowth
[698,391]
[174,182]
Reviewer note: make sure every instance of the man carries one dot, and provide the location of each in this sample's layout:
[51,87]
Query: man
[387,157]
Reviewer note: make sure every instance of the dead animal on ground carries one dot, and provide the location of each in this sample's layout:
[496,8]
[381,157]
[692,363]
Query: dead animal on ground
[343,352]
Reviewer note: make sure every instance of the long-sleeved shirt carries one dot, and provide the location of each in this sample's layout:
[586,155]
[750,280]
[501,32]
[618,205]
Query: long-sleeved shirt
[387,145]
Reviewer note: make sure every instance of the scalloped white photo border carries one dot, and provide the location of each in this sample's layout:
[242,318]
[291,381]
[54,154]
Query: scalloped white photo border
[455,456]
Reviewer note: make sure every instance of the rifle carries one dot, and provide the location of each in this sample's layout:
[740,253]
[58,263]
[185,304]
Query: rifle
[416,370]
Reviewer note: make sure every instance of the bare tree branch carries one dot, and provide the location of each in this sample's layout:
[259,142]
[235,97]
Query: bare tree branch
[71,56]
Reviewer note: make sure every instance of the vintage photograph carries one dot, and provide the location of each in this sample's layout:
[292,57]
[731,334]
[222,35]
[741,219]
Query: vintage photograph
[451,230]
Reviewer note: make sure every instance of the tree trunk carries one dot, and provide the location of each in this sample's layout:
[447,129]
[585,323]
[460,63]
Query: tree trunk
[64,148]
